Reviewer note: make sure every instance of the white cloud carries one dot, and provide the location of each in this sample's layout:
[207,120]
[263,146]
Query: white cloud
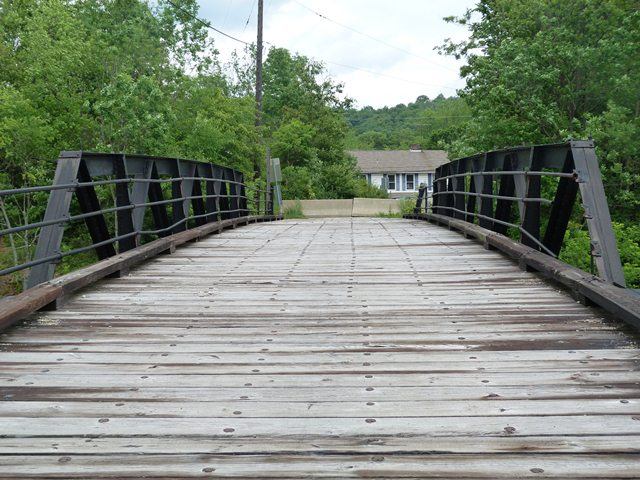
[415,27]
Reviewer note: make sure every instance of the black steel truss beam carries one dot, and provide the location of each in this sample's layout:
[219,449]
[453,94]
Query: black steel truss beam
[505,179]
[196,192]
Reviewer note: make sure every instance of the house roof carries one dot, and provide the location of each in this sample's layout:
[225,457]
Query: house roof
[399,161]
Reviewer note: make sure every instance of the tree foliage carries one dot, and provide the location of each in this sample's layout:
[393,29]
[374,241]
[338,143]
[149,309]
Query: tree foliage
[425,122]
[543,71]
[144,77]
[305,126]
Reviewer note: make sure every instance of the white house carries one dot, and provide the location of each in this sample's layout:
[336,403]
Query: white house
[400,171]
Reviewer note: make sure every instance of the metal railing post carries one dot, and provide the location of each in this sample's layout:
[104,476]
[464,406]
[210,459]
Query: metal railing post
[594,201]
[57,207]
[124,218]
[422,192]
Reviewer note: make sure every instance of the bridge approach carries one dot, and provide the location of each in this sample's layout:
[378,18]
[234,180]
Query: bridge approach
[330,348]
[325,348]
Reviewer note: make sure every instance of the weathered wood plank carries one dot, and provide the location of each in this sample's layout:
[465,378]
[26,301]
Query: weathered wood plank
[259,379]
[319,409]
[400,394]
[100,364]
[361,425]
[318,445]
[351,466]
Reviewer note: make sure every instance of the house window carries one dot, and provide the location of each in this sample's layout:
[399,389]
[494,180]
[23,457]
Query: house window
[391,181]
[410,181]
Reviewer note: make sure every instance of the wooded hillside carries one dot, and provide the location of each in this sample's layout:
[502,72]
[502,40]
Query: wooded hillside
[430,123]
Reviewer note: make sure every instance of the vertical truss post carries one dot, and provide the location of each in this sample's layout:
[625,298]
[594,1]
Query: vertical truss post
[177,195]
[449,198]
[211,203]
[503,206]
[159,212]
[197,202]
[446,195]
[124,218]
[486,203]
[421,197]
[57,207]
[530,216]
[223,194]
[271,191]
[594,201]
[436,200]
[242,193]
[257,201]
[187,172]
[472,199]
[234,199]
[459,187]
[139,194]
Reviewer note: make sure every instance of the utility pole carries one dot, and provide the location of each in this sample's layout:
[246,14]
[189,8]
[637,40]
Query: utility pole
[256,165]
[259,69]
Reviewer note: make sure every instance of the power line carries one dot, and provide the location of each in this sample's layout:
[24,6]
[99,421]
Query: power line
[370,72]
[324,17]
[249,17]
[207,24]
[391,76]
[226,15]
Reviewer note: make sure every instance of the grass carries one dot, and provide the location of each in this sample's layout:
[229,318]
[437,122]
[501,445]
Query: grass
[294,211]
[407,205]
[406,208]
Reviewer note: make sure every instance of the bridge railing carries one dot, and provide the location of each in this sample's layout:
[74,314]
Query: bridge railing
[532,191]
[123,201]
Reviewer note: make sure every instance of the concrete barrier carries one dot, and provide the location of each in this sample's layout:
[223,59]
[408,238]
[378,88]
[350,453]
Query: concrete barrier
[357,207]
[323,208]
[372,207]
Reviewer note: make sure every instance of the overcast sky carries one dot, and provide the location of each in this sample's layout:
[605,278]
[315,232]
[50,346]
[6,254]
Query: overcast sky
[382,50]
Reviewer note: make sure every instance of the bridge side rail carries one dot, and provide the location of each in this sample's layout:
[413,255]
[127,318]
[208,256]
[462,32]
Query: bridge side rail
[532,190]
[485,195]
[125,201]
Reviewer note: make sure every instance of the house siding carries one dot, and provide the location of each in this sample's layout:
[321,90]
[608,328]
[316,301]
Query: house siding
[375,179]
[419,163]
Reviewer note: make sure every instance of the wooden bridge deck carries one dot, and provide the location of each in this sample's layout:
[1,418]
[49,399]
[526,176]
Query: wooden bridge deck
[330,348]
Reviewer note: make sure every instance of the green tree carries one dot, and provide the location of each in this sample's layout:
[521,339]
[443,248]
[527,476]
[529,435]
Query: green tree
[423,122]
[544,71]
[536,69]
[617,134]
[210,125]
[297,183]
[305,125]
[133,115]
[292,143]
